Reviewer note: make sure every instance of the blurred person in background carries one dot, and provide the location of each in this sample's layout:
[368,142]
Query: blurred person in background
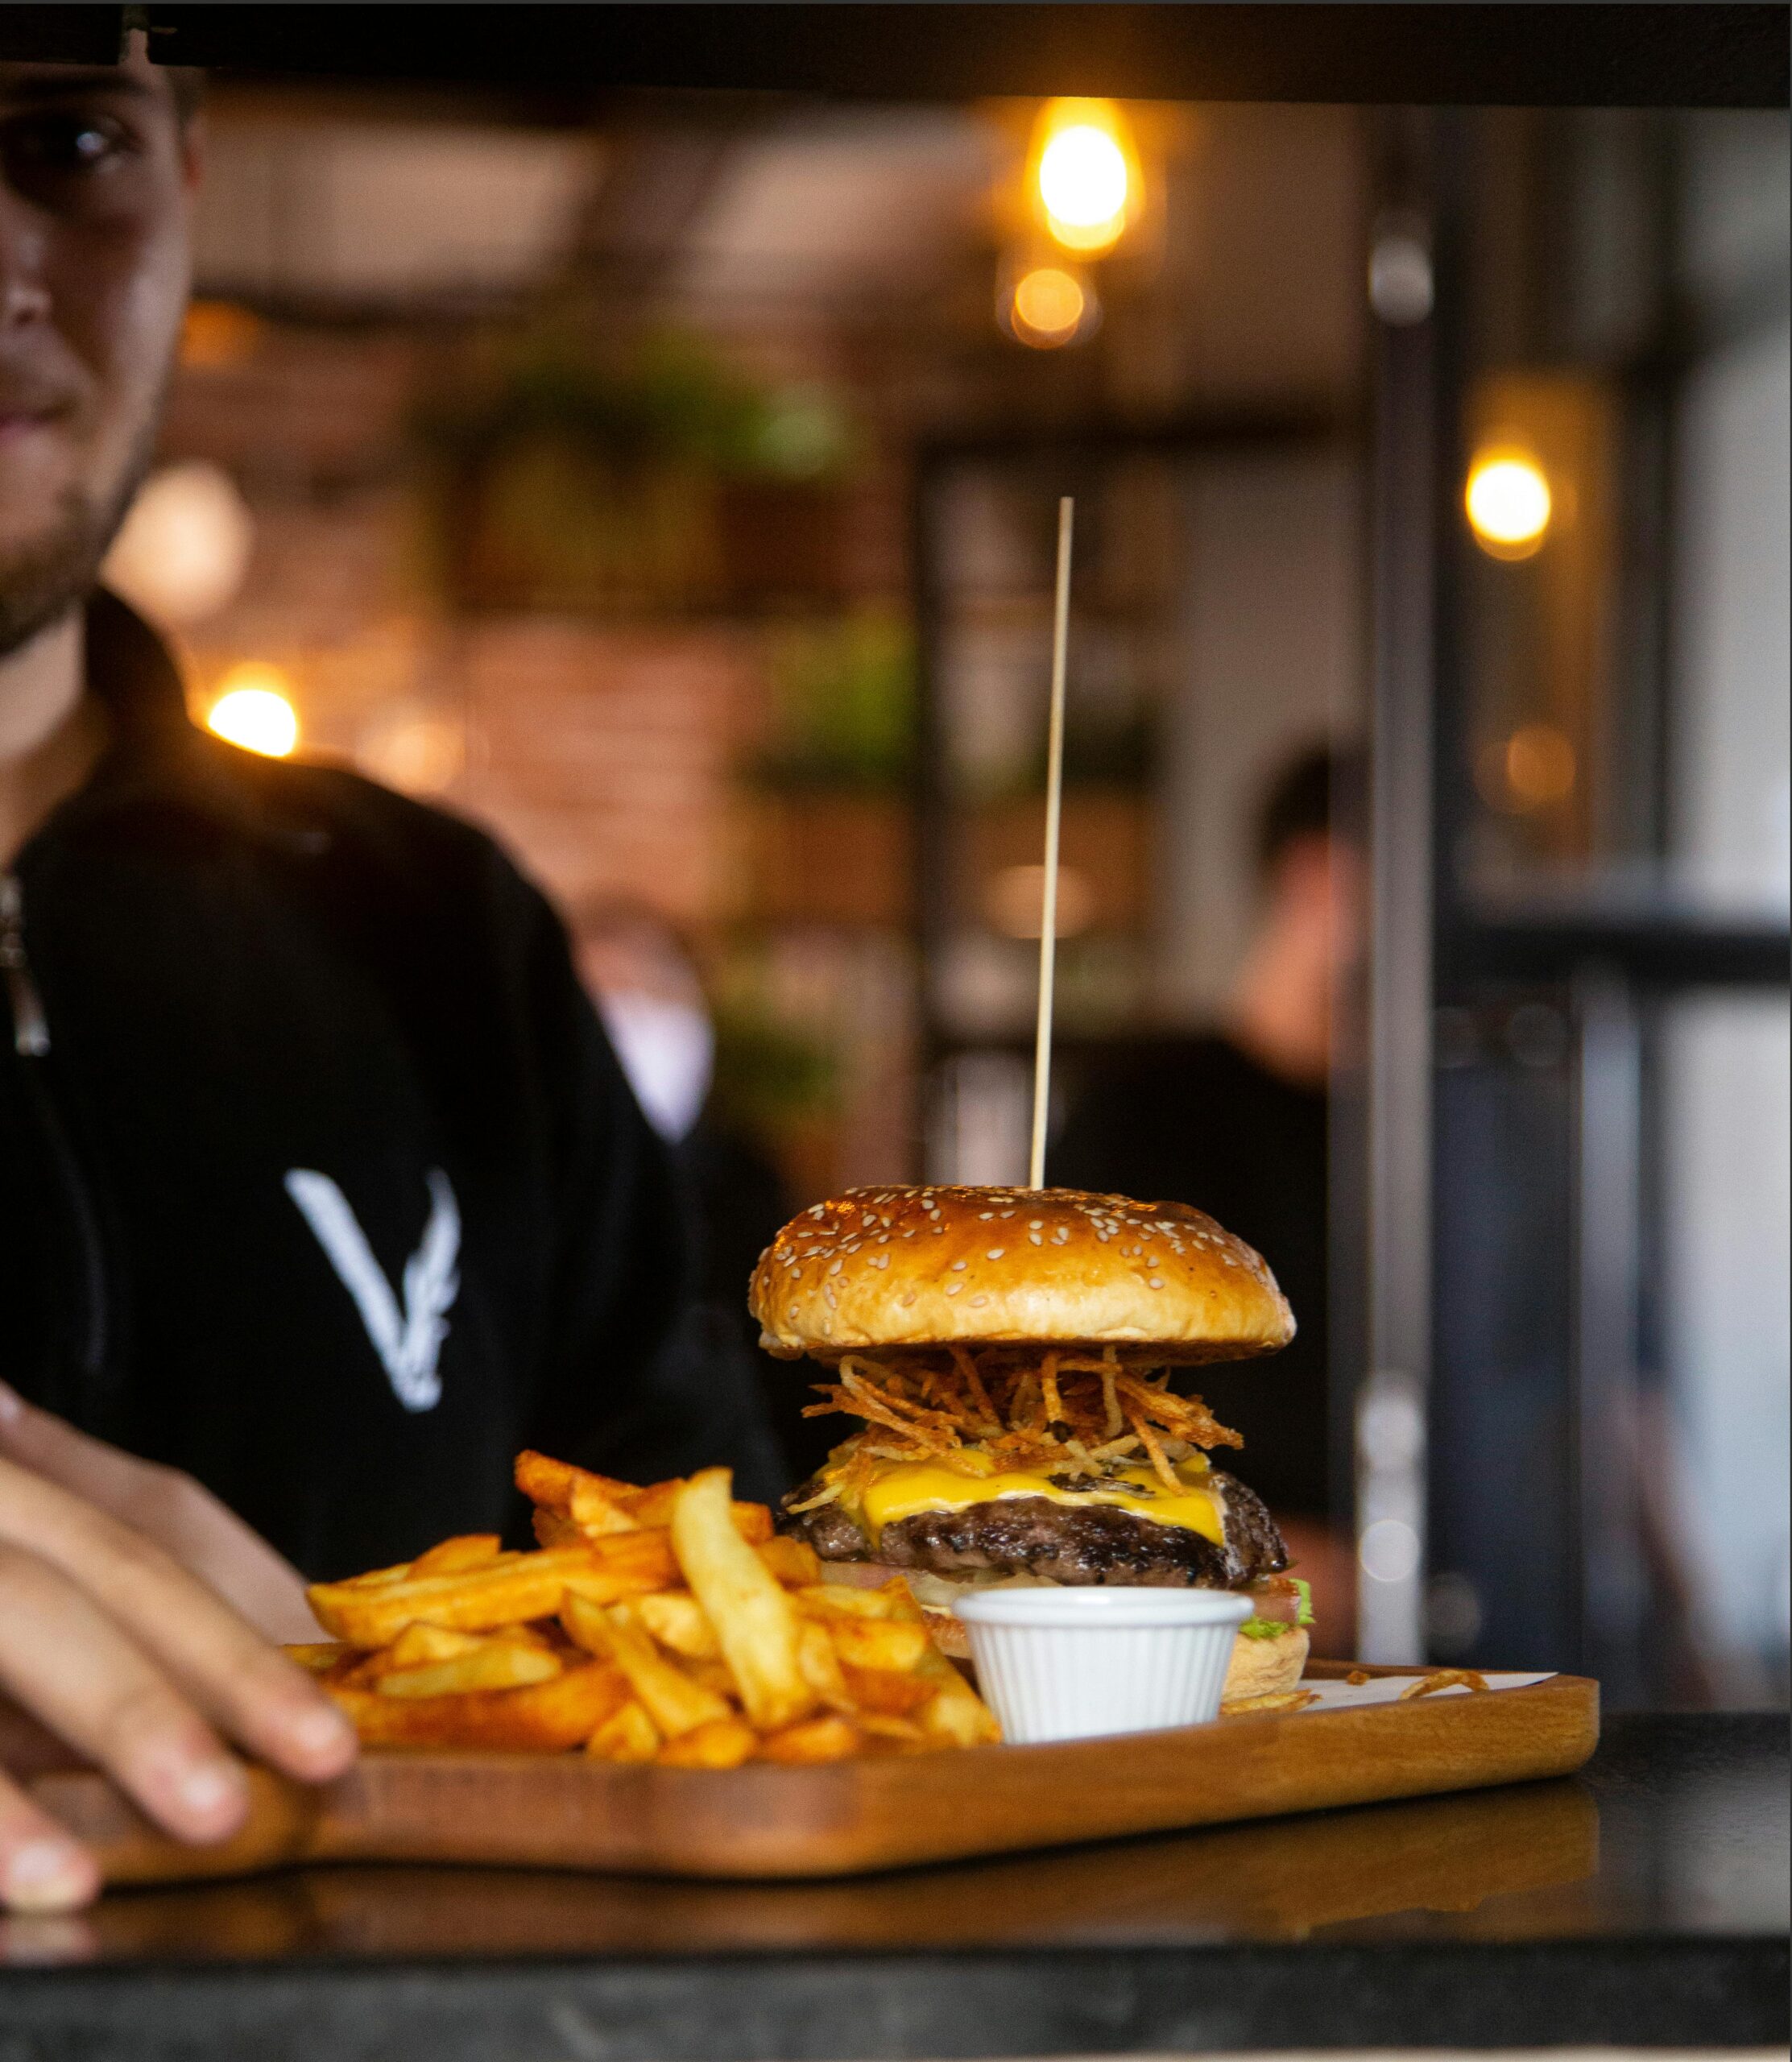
[1235,1120]
[321,1191]
[650,995]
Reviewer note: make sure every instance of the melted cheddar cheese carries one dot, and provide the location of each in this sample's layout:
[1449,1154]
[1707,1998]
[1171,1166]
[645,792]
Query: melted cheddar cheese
[905,1489]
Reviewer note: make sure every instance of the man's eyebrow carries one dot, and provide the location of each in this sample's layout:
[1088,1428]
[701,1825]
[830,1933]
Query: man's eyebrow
[75,83]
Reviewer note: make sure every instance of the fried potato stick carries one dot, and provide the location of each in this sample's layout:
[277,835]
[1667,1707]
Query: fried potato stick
[673,1701]
[755,1620]
[542,1718]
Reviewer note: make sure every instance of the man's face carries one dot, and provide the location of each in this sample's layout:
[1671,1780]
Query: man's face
[96,184]
[1321,890]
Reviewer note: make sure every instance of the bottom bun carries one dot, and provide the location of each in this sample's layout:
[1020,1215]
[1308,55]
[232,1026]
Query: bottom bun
[1260,1668]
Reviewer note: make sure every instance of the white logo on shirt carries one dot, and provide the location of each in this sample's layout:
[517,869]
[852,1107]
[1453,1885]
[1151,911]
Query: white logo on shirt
[408,1342]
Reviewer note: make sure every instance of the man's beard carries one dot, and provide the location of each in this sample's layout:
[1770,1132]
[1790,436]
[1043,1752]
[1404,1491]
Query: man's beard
[46,577]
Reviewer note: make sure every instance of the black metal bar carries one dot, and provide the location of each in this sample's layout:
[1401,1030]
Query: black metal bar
[1207,433]
[1670,951]
[62,35]
[1716,56]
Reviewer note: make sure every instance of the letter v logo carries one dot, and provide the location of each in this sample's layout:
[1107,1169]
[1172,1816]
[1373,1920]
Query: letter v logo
[408,1341]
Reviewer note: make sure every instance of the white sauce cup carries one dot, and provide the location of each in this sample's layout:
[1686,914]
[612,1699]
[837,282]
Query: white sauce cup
[1074,1664]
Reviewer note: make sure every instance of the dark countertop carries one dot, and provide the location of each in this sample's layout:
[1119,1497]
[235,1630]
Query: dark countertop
[1642,1902]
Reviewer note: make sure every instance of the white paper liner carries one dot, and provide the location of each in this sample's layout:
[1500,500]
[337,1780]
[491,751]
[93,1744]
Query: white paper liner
[1334,1694]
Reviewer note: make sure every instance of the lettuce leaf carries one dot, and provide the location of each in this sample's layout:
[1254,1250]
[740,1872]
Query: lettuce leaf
[1272,1629]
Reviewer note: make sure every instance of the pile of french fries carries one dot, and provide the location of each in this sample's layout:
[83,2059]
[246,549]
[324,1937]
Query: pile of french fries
[667,1624]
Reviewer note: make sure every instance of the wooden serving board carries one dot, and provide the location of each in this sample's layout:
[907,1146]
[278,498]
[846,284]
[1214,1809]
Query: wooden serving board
[845,1818]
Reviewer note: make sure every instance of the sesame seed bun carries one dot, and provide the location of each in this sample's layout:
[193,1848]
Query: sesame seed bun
[878,1268]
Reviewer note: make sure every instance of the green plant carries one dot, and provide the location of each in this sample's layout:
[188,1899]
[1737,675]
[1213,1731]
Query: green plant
[844,697]
[666,398]
[769,1076]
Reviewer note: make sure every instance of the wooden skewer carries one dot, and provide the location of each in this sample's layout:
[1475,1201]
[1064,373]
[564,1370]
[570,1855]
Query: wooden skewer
[1054,810]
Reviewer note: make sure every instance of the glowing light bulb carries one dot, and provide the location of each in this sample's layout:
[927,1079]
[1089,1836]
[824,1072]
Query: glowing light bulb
[1508,504]
[1048,306]
[253,710]
[1086,173]
[182,552]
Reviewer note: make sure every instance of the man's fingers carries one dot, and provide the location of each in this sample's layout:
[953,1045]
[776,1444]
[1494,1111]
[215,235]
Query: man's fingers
[42,1867]
[172,1509]
[51,1447]
[234,1675]
[67,1662]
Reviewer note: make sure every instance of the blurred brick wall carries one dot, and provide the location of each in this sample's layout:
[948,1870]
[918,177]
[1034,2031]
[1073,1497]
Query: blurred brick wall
[601,756]
[604,755]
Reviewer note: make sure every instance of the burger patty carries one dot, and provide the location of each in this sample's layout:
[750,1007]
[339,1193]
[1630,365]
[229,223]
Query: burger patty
[1073,1543]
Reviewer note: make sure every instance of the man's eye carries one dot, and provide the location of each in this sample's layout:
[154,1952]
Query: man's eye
[52,147]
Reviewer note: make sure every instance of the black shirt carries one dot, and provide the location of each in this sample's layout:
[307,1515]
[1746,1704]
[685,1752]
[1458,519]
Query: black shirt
[322,1182]
[1197,1120]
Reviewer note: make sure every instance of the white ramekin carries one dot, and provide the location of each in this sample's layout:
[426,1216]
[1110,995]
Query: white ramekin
[1073,1664]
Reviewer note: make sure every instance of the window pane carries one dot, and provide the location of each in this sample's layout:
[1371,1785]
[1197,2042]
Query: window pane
[1725,1237]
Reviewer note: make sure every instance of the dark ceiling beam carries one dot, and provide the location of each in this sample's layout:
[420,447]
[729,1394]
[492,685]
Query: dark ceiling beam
[1649,54]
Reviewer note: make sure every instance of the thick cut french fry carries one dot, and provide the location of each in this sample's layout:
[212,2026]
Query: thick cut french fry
[375,1577]
[676,1620]
[829,1739]
[839,1601]
[317,1656]
[628,1735]
[492,1665]
[674,1703]
[884,1690]
[468,1550]
[714,1674]
[596,1510]
[954,1715]
[553,1528]
[417,1644]
[654,1506]
[552,1482]
[794,1562]
[753,1618]
[543,1718]
[625,1564]
[879,1643]
[887,1726]
[725,1743]
[501,1592]
[821,1666]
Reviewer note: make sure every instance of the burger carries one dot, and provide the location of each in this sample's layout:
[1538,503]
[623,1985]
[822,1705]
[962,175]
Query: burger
[1012,1354]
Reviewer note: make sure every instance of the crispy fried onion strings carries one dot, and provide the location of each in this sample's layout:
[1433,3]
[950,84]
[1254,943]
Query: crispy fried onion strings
[1051,1412]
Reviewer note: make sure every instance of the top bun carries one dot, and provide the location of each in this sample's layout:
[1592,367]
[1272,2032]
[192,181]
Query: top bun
[884,1268]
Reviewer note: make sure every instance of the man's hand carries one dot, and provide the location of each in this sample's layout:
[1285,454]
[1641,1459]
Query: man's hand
[181,1516]
[115,1636]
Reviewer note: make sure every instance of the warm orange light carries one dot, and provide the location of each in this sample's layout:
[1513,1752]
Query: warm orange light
[1508,503]
[1015,902]
[1533,768]
[219,333]
[1048,307]
[1085,173]
[254,709]
[1540,766]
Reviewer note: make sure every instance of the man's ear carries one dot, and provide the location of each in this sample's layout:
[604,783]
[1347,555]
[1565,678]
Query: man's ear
[1303,874]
